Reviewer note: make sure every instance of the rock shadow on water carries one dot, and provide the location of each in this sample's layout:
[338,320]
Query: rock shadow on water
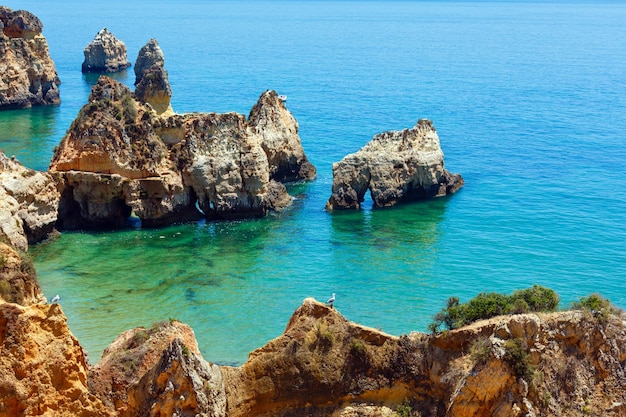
[390,228]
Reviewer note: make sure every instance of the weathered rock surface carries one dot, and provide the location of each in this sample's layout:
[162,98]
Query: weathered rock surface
[566,364]
[120,157]
[271,120]
[395,167]
[43,368]
[29,201]
[105,53]
[18,280]
[154,89]
[149,55]
[28,75]
[159,372]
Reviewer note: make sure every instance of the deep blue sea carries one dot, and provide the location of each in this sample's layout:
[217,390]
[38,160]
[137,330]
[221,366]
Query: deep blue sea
[529,100]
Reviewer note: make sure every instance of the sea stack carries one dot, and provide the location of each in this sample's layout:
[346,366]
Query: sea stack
[396,167]
[149,55]
[105,53]
[28,75]
[152,85]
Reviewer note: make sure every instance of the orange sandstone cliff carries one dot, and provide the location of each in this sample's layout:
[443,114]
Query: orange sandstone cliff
[558,364]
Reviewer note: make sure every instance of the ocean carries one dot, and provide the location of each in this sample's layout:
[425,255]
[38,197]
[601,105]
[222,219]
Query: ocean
[528,98]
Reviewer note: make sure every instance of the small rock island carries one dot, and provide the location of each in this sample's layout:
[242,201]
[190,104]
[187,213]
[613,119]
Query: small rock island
[396,167]
[105,53]
[28,76]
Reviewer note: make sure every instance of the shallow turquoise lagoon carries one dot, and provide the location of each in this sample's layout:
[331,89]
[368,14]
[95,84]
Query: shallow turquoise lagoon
[529,100]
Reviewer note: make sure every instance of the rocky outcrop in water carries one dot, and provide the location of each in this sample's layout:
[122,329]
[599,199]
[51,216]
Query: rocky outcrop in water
[29,201]
[105,53]
[121,157]
[28,75]
[395,167]
[150,55]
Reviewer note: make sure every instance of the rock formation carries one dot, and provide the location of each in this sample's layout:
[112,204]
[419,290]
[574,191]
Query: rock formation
[43,368]
[29,202]
[27,74]
[18,280]
[149,55]
[158,372]
[105,53]
[561,364]
[121,157]
[395,167]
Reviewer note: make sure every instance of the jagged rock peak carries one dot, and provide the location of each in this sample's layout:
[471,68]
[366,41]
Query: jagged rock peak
[19,23]
[105,53]
[28,75]
[149,55]
[278,129]
[396,167]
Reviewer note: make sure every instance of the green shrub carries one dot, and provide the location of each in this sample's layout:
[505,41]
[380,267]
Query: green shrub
[487,305]
[480,351]
[405,409]
[518,359]
[597,305]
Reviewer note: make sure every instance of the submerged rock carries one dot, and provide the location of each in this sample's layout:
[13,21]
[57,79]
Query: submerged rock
[121,157]
[395,167]
[29,202]
[105,53]
[28,75]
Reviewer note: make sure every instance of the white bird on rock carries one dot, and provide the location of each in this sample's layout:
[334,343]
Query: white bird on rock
[331,300]
[55,299]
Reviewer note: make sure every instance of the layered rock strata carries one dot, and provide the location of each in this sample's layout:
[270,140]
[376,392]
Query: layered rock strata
[28,75]
[395,167]
[105,53]
[121,157]
[29,202]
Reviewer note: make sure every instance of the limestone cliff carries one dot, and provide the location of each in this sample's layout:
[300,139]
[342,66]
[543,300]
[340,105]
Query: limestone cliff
[18,280]
[27,74]
[120,156]
[43,368]
[560,364]
[395,167]
[158,372]
[105,53]
[29,201]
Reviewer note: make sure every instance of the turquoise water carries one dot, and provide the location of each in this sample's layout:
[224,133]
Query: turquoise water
[529,100]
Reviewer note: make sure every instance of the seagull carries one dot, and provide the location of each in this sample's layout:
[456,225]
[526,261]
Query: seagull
[55,299]
[331,300]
